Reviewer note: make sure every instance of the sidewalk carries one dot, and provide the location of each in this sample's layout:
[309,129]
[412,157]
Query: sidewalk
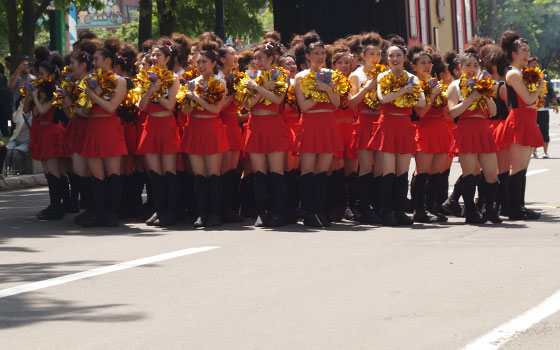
[20,182]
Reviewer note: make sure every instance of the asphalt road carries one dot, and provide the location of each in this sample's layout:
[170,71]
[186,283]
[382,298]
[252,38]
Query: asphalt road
[437,286]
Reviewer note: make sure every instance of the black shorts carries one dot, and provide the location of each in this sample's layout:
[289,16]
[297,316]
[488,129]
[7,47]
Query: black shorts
[543,118]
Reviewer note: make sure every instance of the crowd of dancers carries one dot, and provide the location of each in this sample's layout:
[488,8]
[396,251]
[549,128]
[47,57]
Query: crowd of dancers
[280,133]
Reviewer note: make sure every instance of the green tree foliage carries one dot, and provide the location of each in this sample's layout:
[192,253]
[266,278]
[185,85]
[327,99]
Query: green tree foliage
[536,20]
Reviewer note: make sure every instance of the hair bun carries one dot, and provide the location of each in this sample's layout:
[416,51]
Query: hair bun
[310,38]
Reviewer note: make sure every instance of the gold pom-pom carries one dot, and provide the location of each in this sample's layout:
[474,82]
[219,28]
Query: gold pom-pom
[242,93]
[483,86]
[291,99]
[107,81]
[532,77]
[212,91]
[441,99]
[279,76]
[541,101]
[378,69]
[390,83]
[143,81]
[128,109]
[233,80]
[188,75]
[341,86]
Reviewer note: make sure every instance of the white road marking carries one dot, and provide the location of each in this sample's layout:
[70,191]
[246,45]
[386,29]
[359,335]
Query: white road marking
[538,171]
[100,271]
[504,333]
[552,134]
[556,139]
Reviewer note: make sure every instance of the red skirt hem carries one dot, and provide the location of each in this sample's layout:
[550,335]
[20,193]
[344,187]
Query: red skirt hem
[104,138]
[346,132]
[474,136]
[159,136]
[204,136]
[266,134]
[393,134]
[48,141]
[433,136]
[318,134]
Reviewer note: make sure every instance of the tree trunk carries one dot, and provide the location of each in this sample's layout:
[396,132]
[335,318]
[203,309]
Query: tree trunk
[144,22]
[13,37]
[167,16]
[28,27]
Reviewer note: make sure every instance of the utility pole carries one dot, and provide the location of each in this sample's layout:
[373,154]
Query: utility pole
[220,19]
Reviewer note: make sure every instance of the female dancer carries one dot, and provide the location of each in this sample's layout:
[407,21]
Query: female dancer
[394,136]
[521,132]
[345,164]
[474,142]
[364,83]
[81,64]
[205,139]
[230,176]
[318,137]
[104,140]
[495,61]
[159,141]
[47,137]
[267,138]
[291,118]
[433,139]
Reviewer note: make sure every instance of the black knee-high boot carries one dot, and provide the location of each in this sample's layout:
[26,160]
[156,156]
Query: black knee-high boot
[489,211]
[201,194]
[400,190]
[306,185]
[158,193]
[114,194]
[292,200]
[182,198]
[215,204]
[278,217]
[85,187]
[73,205]
[336,195]
[385,195]
[365,213]
[169,216]
[433,187]
[126,196]
[320,198]
[468,188]
[418,195]
[247,206]
[190,198]
[502,201]
[148,208]
[137,190]
[261,198]
[515,210]
[480,182]
[229,180]
[451,206]
[98,196]
[352,197]
[55,210]
[69,205]
[443,189]
[529,213]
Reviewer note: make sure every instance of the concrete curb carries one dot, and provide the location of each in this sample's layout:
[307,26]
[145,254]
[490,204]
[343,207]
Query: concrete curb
[23,181]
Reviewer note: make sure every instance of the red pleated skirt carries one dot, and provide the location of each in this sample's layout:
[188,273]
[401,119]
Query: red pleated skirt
[75,132]
[204,136]
[103,138]
[520,127]
[160,136]
[496,126]
[433,136]
[346,132]
[318,134]
[233,131]
[474,136]
[363,130]
[393,134]
[48,141]
[266,134]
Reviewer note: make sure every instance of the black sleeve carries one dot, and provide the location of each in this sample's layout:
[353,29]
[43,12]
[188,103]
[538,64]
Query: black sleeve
[551,93]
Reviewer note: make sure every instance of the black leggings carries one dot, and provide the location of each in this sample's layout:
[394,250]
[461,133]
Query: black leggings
[3,152]
[543,118]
